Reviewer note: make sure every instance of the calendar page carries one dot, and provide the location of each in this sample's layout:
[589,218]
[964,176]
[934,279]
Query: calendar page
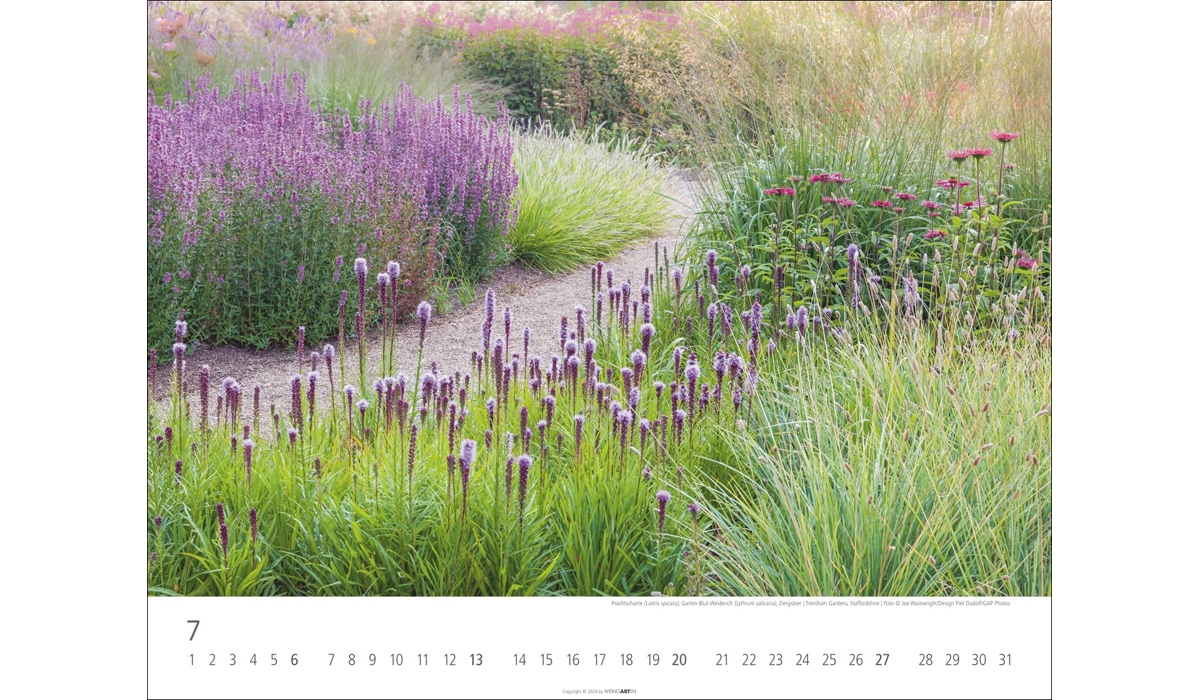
[567,349]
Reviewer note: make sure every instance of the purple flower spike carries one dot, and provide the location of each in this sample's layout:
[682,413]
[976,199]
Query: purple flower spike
[180,330]
[360,267]
[393,271]
[663,499]
[466,459]
[646,473]
[292,434]
[158,521]
[694,509]
[508,465]
[224,540]
[647,334]
[179,470]
[221,513]
[248,456]
[524,462]
[253,525]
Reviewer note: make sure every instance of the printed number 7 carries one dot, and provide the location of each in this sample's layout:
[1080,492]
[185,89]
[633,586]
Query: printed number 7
[197,626]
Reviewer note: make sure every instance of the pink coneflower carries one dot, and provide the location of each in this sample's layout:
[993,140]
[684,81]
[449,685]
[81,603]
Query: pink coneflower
[780,191]
[829,200]
[905,196]
[838,179]
[819,177]
[1026,263]
[881,204]
[952,183]
[935,234]
[959,156]
[846,202]
[1004,136]
[980,152]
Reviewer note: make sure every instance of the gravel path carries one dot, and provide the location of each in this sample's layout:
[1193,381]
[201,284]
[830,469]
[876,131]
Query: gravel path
[537,300]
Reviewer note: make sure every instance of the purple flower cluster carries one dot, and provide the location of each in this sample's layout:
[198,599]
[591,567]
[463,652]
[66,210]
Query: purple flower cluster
[260,160]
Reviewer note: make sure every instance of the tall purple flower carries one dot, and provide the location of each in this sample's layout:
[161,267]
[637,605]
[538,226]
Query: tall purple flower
[663,499]
[381,281]
[424,314]
[638,359]
[248,456]
[692,373]
[360,271]
[253,525]
[465,460]
[221,527]
[296,384]
[508,465]
[524,462]
[579,419]
[647,335]
[178,350]
[312,396]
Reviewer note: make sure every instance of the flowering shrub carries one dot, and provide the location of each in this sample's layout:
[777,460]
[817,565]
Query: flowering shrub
[252,196]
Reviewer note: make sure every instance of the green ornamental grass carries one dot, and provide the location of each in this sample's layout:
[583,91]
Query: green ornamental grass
[582,199]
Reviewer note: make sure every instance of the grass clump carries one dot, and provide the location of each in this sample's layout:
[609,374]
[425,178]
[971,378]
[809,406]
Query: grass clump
[581,199]
[885,468]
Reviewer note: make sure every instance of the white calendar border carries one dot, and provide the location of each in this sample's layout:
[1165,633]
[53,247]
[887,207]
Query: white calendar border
[1126,477]
[211,658]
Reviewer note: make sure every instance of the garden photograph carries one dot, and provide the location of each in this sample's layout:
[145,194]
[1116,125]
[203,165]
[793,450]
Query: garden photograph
[598,299]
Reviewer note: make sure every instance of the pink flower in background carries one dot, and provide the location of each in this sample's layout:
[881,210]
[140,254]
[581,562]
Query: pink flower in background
[846,202]
[952,183]
[1004,136]
[169,46]
[980,152]
[905,196]
[935,234]
[931,206]
[881,204]
[958,156]
[1026,263]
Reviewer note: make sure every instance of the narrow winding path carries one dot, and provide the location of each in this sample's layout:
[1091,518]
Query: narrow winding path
[537,300]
